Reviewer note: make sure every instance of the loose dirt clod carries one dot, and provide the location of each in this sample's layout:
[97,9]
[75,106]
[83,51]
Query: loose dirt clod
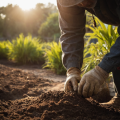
[24,96]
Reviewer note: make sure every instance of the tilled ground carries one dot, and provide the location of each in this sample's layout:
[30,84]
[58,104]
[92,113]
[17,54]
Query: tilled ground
[25,96]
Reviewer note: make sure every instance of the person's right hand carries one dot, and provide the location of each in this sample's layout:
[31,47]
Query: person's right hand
[91,82]
[72,80]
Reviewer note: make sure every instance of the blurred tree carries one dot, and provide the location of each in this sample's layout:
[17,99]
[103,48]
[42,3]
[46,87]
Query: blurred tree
[43,12]
[50,28]
[1,25]
[17,21]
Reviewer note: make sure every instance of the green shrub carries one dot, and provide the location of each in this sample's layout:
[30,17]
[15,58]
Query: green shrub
[53,59]
[50,28]
[4,49]
[106,36]
[26,50]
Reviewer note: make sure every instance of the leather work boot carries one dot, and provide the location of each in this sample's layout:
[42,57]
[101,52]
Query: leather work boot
[113,103]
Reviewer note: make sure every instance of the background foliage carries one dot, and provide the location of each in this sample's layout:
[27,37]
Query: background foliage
[42,24]
[53,54]
[4,49]
[94,52]
[13,20]
[50,28]
[26,50]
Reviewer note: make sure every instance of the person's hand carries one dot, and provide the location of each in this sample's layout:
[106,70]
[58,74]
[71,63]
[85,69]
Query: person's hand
[91,81]
[72,80]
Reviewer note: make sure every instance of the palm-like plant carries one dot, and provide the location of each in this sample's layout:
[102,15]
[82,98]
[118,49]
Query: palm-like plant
[4,49]
[106,36]
[26,50]
[53,55]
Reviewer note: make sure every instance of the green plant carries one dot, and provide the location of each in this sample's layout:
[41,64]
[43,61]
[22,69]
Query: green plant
[26,50]
[53,59]
[4,49]
[106,36]
[50,28]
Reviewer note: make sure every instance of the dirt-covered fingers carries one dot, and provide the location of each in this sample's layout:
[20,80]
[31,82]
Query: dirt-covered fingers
[74,84]
[86,89]
[68,86]
[71,85]
[97,88]
[91,90]
[81,85]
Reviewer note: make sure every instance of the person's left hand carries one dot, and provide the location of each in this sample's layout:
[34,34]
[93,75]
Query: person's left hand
[91,82]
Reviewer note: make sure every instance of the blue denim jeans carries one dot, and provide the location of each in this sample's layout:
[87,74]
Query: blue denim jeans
[111,63]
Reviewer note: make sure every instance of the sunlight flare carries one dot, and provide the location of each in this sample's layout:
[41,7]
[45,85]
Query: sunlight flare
[25,4]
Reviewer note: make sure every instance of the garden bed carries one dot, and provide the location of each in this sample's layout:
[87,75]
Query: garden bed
[26,96]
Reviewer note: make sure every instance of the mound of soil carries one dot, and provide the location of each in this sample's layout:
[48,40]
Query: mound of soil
[15,84]
[25,96]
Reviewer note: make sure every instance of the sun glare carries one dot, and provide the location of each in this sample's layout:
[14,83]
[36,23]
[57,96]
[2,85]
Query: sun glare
[25,4]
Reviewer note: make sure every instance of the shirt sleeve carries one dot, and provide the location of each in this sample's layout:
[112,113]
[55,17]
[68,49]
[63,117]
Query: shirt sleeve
[72,22]
[111,60]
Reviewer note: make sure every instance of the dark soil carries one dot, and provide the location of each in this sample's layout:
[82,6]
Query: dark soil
[26,96]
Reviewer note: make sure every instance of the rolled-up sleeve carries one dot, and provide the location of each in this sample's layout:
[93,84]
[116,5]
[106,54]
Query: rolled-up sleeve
[111,60]
[72,24]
